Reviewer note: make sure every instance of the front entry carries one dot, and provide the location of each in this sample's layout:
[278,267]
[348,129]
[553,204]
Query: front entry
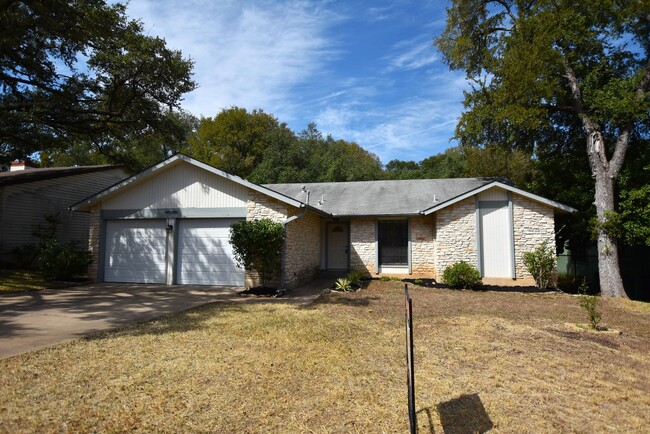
[337,246]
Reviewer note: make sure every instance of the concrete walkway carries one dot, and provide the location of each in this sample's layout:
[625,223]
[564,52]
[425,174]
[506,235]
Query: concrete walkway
[38,319]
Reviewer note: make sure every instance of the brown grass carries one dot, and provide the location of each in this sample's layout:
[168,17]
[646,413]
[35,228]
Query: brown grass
[500,361]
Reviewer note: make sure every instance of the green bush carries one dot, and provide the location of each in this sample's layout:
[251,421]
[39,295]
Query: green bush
[63,261]
[257,245]
[25,257]
[342,284]
[355,278]
[462,275]
[540,264]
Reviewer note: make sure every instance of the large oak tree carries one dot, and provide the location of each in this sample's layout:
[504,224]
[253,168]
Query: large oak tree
[81,72]
[551,69]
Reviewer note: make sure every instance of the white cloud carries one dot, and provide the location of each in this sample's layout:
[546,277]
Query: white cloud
[245,54]
[413,55]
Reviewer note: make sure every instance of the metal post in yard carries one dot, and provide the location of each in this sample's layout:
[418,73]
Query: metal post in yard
[410,373]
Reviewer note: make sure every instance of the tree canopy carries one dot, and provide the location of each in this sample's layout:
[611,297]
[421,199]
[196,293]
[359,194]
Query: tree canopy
[548,72]
[78,72]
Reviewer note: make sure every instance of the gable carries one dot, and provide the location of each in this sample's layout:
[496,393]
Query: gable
[179,185]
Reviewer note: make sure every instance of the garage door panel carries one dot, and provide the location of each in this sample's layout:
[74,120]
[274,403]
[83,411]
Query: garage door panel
[135,251]
[205,253]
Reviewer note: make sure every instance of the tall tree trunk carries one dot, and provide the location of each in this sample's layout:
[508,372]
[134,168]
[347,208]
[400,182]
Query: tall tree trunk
[611,283]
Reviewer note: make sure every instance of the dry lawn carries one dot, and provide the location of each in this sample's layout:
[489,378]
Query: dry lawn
[485,361]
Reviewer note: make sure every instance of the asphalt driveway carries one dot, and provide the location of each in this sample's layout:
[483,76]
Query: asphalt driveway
[33,320]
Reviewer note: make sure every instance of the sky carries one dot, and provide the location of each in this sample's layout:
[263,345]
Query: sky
[363,71]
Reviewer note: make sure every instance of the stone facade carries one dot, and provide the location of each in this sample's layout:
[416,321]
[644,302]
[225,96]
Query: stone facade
[423,245]
[93,240]
[455,235]
[303,249]
[534,224]
[261,206]
[362,245]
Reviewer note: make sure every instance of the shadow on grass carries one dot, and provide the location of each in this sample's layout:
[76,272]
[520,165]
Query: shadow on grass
[465,414]
[179,322]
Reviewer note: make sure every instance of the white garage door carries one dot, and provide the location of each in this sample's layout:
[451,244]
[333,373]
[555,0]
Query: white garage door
[135,251]
[205,255]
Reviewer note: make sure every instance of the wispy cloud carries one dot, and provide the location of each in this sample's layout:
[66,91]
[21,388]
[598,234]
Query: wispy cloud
[245,54]
[412,55]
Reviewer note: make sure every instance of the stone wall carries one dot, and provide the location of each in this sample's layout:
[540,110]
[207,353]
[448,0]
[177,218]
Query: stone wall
[261,206]
[423,245]
[362,245]
[93,240]
[534,223]
[303,249]
[455,235]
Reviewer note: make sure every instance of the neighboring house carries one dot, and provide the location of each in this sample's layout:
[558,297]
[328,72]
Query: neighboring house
[28,195]
[170,224]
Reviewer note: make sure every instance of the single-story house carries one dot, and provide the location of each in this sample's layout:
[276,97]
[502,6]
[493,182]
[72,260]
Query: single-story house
[29,194]
[170,224]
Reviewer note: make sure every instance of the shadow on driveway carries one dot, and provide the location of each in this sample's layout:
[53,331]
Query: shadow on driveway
[33,320]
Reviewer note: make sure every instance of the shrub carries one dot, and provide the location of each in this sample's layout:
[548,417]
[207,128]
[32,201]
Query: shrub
[591,304]
[257,245]
[418,281]
[342,284]
[462,275]
[540,264]
[355,278]
[25,257]
[63,261]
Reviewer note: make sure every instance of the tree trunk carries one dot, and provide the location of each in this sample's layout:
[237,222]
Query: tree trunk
[605,174]
[611,283]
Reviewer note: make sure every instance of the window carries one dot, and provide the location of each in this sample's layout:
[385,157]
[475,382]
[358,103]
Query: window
[393,242]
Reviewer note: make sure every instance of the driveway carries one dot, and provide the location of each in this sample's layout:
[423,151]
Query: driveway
[34,320]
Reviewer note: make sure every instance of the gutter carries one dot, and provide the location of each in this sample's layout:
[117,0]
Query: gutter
[283,277]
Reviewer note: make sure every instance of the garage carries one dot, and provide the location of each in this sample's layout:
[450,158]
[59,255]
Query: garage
[205,255]
[135,251]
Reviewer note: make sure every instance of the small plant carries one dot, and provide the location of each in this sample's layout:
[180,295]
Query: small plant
[418,281]
[591,304]
[462,275]
[540,264]
[355,278]
[342,284]
[388,279]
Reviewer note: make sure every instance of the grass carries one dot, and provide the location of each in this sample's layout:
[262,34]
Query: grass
[21,280]
[483,360]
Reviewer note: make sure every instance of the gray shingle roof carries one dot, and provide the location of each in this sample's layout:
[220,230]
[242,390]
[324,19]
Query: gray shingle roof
[380,198]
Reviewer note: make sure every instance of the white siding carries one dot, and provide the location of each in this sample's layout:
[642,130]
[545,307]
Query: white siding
[24,206]
[181,185]
[493,193]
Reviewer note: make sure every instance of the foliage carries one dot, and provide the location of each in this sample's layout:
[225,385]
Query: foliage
[74,71]
[568,283]
[25,257]
[343,284]
[355,277]
[257,245]
[462,275]
[62,261]
[540,264]
[568,72]
[591,304]
[418,281]
[389,279]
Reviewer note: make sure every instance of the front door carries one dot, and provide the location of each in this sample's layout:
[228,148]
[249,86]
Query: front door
[337,246]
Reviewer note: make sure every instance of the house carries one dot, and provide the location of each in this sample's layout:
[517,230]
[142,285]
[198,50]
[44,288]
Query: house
[170,224]
[28,195]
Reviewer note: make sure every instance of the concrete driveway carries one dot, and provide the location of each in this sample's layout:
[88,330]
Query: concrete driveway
[34,320]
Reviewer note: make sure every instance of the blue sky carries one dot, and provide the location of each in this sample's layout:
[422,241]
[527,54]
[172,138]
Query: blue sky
[364,71]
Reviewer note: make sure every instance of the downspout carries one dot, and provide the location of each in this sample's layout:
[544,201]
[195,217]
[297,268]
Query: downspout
[283,277]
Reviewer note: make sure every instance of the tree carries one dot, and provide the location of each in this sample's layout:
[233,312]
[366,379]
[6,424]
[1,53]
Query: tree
[80,71]
[235,140]
[539,67]
[257,245]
